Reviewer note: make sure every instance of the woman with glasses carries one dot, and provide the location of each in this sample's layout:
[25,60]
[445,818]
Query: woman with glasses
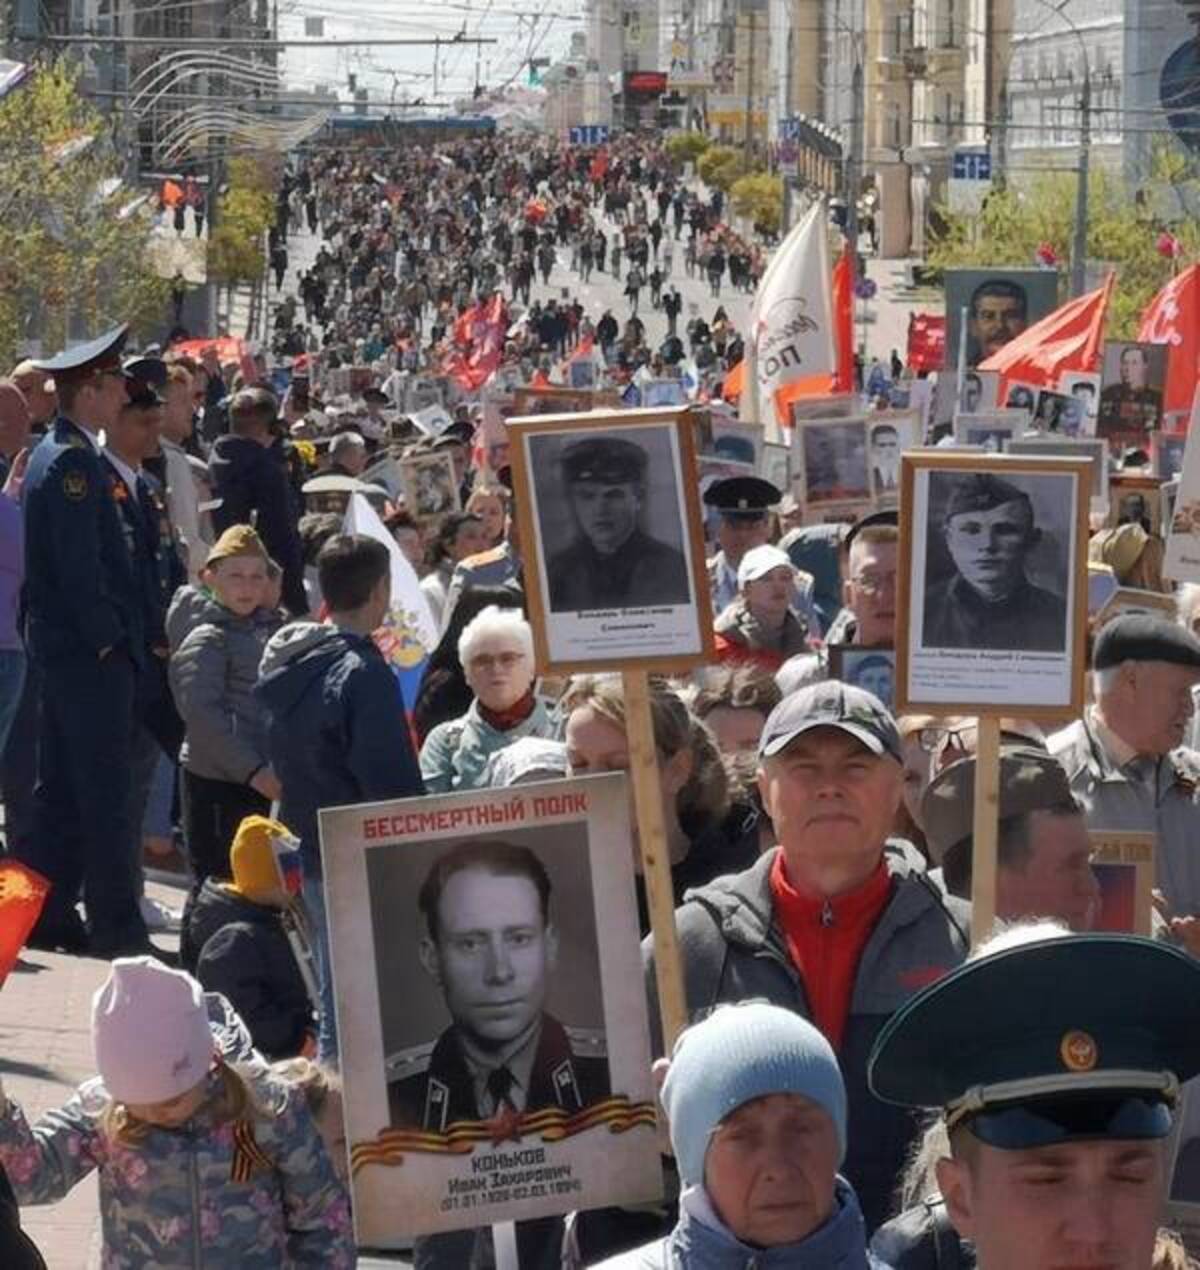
[496,651]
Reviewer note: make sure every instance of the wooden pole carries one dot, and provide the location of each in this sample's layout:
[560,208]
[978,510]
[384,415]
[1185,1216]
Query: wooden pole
[985,830]
[656,862]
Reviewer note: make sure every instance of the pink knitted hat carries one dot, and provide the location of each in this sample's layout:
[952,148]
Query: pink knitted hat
[150,1031]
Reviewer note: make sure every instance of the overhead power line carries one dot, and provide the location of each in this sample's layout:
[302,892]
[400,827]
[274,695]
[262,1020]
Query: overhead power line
[198,42]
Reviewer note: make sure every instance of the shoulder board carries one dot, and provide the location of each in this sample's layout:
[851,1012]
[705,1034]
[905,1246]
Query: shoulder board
[409,1062]
[484,557]
[587,1042]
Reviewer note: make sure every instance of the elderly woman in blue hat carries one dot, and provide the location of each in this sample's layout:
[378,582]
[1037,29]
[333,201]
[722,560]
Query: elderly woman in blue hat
[757,1115]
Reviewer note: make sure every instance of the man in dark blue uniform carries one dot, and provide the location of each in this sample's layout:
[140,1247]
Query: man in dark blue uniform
[85,631]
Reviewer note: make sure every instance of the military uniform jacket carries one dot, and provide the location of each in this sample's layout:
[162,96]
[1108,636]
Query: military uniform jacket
[564,1074]
[643,572]
[1146,795]
[956,616]
[81,593]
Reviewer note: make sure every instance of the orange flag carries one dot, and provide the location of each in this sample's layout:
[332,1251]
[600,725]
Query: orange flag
[734,382]
[1069,339]
[843,324]
[1173,318]
[22,894]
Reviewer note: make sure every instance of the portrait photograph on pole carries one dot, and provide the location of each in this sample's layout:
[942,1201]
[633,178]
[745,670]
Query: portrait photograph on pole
[1131,393]
[991,429]
[993,577]
[1073,447]
[889,434]
[609,514]
[830,465]
[1000,304]
[494,1035]
[430,489]
[1135,500]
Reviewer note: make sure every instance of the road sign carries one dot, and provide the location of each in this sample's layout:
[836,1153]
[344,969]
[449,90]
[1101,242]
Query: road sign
[589,134]
[972,165]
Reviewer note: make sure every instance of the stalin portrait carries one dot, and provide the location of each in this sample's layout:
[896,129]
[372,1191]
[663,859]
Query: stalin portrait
[612,561]
[490,945]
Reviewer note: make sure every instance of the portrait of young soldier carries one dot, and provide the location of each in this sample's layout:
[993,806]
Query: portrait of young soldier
[611,560]
[989,601]
[490,945]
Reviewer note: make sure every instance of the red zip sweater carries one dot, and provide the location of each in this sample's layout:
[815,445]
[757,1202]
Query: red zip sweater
[825,937]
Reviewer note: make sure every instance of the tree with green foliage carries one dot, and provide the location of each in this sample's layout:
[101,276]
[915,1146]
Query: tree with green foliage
[74,248]
[759,197]
[1017,219]
[245,212]
[686,147]
[720,166]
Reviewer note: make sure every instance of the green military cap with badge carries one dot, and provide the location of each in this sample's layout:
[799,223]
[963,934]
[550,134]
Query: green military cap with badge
[604,461]
[1076,1038]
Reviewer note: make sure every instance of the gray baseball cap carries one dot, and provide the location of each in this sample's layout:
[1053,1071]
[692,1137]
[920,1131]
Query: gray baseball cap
[831,704]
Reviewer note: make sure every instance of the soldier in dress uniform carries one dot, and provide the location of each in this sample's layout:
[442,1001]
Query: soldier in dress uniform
[490,945]
[612,561]
[989,602]
[1057,1064]
[85,629]
[742,504]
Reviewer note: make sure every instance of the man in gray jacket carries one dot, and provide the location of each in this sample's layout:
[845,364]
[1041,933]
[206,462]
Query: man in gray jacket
[838,923]
[1126,759]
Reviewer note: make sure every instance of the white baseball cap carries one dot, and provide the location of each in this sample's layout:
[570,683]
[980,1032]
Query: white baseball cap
[759,561]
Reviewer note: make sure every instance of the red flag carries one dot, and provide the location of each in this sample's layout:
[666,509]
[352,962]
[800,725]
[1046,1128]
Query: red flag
[734,382]
[926,342]
[22,894]
[843,318]
[1173,318]
[1070,338]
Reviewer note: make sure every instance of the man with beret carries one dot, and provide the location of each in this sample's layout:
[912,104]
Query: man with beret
[1057,1064]
[85,630]
[612,562]
[742,504]
[1043,853]
[839,923]
[1126,757]
[989,601]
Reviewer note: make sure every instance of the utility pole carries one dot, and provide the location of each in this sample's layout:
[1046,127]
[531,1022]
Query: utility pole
[851,167]
[751,18]
[1079,247]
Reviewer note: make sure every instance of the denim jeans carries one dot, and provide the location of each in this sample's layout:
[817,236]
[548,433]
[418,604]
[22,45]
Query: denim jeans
[314,903]
[12,679]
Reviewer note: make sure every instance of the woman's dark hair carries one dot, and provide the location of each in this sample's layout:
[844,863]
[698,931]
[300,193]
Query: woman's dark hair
[444,693]
[442,547]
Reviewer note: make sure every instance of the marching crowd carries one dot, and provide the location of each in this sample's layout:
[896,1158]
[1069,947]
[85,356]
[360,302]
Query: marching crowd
[188,674]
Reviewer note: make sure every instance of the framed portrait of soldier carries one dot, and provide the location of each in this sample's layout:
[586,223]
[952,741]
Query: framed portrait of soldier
[993,599]
[889,434]
[1131,391]
[991,430]
[1073,447]
[873,669]
[581,373]
[830,464]
[1134,499]
[1166,454]
[777,465]
[978,391]
[998,306]
[727,440]
[430,487]
[1085,388]
[1021,396]
[491,1011]
[609,514]
[552,400]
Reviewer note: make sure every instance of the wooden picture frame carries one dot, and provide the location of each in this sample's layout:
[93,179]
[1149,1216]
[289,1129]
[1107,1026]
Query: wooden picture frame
[1094,448]
[838,481]
[553,400]
[873,669]
[909,433]
[735,442]
[1131,599]
[991,429]
[421,475]
[578,626]
[956,652]
[1123,487]
[1124,864]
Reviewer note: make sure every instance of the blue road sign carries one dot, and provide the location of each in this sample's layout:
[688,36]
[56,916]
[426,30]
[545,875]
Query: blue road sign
[589,134]
[972,165]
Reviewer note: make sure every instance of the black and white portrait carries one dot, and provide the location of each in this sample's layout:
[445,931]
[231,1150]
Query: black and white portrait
[978,391]
[1085,389]
[664,392]
[486,995]
[999,305]
[873,669]
[608,546]
[612,538]
[991,430]
[1135,500]
[1166,453]
[1022,397]
[997,562]
[1056,412]
[833,458]
[581,373]
[430,489]
[1131,398]
[883,441]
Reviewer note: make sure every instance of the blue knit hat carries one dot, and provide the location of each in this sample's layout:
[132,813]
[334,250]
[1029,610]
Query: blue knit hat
[737,1054]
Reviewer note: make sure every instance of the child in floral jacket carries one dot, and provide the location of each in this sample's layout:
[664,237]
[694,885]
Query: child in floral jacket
[202,1163]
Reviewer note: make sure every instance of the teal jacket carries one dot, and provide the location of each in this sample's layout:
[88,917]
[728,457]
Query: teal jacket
[456,753]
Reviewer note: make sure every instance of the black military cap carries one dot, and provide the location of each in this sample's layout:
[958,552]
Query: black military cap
[375,397]
[1063,1039]
[742,497]
[1143,637]
[605,460]
[888,519]
[1030,780]
[980,492]
[103,353]
[147,370]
